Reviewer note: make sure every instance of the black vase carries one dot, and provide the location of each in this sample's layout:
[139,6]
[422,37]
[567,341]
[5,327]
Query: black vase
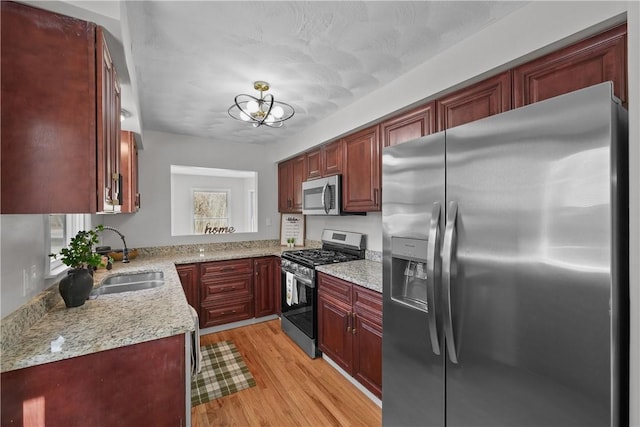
[76,287]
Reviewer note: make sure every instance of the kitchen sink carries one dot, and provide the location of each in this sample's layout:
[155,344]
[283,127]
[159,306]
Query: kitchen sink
[127,282]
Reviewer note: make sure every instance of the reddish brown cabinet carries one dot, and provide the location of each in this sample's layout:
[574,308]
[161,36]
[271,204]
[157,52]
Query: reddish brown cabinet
[129,168]
[313,161]
[266,286]
[413,124]
[226,292]
[291,174]
[361,181]
[483,99]
[332,154]
[188,274]
[597,59]
[136,385]
[350,329]
[60,114]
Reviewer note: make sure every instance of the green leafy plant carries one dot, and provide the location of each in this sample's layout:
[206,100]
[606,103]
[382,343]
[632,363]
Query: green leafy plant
[79,253]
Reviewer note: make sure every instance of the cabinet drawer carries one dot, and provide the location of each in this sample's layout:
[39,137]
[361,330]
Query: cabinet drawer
[334,287]
[228,287]
[225,312]
[368,304]
[210,270]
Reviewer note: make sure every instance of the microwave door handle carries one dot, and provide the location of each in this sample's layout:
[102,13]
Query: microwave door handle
[325,205]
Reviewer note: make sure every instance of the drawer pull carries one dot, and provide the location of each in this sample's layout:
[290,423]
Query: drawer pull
[224,313]
[227,269]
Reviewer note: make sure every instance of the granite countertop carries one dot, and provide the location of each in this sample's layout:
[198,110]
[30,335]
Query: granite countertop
[365,273]
[116,320]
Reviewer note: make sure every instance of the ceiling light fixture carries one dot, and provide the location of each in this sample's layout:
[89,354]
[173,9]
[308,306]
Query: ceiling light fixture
[261,111]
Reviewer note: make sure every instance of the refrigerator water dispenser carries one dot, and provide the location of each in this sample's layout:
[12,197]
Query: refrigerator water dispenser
[409,272]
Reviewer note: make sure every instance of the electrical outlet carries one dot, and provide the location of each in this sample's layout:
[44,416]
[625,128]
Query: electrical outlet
[25,282]
[33,278]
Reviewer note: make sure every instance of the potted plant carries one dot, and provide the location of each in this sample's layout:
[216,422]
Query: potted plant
[80,256]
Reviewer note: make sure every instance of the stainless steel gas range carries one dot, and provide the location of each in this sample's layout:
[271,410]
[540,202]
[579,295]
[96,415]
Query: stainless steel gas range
[299,284]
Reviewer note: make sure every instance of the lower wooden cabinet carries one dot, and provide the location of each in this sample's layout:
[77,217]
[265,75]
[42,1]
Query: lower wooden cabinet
[265,286]
[188,274]
[350,329]
[230,291]
[136,385]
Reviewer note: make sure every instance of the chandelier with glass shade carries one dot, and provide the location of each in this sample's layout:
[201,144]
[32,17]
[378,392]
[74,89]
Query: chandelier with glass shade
[261,111]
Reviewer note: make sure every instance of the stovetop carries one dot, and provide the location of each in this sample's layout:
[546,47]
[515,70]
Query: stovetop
[314,257]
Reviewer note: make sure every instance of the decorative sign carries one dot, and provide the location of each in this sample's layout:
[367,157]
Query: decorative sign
[218,230]
[292,229]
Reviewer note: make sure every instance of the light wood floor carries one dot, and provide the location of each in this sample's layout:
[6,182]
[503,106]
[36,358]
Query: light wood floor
[291,389]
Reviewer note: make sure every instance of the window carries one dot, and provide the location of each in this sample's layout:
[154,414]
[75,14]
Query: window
[210,210]
[59,229]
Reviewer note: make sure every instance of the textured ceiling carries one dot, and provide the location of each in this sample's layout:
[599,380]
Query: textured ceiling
[192,58]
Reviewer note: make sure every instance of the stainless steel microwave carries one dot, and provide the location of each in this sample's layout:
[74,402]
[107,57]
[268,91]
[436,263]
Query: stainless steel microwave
[322,196]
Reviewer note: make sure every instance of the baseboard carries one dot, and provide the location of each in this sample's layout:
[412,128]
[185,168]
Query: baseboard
[353,381]
[233,325]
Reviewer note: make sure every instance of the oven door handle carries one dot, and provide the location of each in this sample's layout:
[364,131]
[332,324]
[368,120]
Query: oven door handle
[303,280]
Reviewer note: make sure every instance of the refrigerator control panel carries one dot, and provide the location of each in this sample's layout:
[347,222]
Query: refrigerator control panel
[407,248]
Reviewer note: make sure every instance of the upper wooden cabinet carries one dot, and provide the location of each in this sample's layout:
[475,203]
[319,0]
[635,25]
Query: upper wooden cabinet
[483,99]
[54,122]
[362,180]
[325,160]
[313,163]
[591,61]
[108,135]
[291,174]
[331,155]
[129,168]
[413,124]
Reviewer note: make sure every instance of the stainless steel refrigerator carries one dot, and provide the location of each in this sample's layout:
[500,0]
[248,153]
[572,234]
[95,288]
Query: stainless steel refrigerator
[505,260]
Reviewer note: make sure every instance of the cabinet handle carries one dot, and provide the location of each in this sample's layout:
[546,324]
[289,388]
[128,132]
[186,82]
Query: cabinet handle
[348,322]
[353,319]
[115,176]
[227,269]
[375,196]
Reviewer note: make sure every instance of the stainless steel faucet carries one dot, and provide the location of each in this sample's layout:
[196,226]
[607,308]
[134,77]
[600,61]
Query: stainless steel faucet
[125,251]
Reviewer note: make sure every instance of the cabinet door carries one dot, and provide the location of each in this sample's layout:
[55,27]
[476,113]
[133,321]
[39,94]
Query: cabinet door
[361,182]
[484,99]
[595,60]
[108,137]
[264,284]
[129,169]
[410,125]
[334,331]
[188,274]
[313,164]
[367,354]
[332,155]
[136,385]
[48,127]
[367,346]
[291,174]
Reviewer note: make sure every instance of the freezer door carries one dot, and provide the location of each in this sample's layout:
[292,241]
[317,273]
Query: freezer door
[531,278]
[413,367]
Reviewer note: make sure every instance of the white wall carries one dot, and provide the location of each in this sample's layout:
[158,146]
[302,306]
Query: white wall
[151,226]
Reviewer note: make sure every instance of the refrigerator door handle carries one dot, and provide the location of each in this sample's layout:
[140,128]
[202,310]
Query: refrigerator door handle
[448,249]
[433,255]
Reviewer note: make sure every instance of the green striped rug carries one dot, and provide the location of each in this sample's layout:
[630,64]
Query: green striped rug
[223,372]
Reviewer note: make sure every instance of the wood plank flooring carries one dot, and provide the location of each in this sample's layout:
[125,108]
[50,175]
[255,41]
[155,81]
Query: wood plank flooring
[291,389]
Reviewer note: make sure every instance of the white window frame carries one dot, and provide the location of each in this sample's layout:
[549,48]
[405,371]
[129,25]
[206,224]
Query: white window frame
[74,223]
[209,190]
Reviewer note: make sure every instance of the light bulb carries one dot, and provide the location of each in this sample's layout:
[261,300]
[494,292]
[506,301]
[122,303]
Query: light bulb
[277,112]
[252,106]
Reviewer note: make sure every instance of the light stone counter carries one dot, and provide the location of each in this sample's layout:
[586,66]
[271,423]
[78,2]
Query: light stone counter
[365,273]
[114,320]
